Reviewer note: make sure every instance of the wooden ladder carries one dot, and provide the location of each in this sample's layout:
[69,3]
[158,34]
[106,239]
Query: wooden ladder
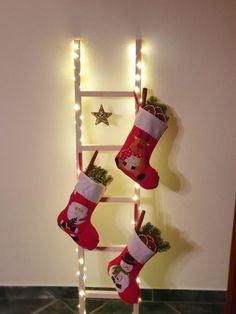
[80,148]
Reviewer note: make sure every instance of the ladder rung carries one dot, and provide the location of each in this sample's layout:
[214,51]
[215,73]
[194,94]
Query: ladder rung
[112,248]
[101,294]
[106,94]
[92,147]
[117,199]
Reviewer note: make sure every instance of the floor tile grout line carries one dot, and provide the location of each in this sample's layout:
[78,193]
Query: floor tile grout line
[51,295]
[98,308]
[45,306]
[171,307]
[68,307]
[190,302]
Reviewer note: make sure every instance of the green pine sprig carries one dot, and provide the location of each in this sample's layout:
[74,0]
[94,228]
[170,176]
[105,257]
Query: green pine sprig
[100,175]
[155,233]
[156,102]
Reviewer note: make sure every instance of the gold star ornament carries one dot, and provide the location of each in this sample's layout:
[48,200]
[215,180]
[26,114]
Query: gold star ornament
[101,116]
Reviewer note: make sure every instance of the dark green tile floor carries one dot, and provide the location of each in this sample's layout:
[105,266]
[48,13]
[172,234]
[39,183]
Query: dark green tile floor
[50,300]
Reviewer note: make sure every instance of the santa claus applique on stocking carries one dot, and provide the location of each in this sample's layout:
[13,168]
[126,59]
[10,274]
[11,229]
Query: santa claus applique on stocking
[125,268]
[133,158]
[75,219]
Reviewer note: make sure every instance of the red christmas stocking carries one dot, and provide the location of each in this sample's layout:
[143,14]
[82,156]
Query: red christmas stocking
[75,218]
[125,268]
[133,158]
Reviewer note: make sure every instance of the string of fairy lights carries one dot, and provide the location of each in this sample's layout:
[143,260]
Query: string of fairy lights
[137,78]
[77,56]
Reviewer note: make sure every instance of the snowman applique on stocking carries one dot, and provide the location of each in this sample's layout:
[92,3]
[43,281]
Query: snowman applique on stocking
[125,268]
[75,219]
[133,158]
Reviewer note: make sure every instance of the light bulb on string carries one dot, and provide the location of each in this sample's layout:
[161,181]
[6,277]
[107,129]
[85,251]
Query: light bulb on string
[138,77]
[139,65]
[131,50]
[75,55]
[75,45]
[76,107]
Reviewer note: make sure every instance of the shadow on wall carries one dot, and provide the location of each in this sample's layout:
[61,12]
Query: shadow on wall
[165,159]
[168,265]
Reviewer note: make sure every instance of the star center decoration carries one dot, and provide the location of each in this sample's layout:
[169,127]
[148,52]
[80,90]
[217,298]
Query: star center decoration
[101,116]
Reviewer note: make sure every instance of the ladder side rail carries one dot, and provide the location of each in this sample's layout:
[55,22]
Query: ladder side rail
[79,165]
[138,85]
[138,82]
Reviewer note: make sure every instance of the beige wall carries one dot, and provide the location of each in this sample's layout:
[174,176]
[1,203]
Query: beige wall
[189,63]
